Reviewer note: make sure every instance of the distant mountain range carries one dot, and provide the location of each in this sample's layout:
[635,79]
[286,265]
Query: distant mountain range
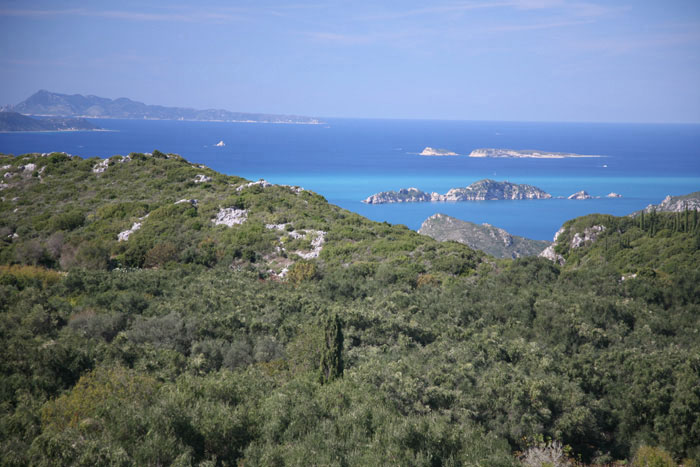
[48,103]
[487,238]
[13,121]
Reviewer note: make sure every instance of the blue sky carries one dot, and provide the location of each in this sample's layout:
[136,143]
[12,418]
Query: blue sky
[529,60]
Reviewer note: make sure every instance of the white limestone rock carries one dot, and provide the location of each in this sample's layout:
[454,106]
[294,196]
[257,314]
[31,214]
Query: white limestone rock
[589,235]
[201,178]
[230,217]
[124,236]
[100,166]
[549,252]
[263,183]
[193,202]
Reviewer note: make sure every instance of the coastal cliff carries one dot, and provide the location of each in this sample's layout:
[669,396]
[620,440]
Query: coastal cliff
[483,190]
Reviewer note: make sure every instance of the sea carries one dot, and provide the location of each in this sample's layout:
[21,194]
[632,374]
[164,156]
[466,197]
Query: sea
[347,160]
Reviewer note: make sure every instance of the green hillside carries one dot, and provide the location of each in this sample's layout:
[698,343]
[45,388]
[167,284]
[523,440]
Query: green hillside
[137,331]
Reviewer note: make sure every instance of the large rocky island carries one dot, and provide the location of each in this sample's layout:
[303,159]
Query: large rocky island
[13,121]
[524,153]
[64,105]
[483,190]
[485,237]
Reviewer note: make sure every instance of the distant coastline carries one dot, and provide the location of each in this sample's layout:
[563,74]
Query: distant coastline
[51,104]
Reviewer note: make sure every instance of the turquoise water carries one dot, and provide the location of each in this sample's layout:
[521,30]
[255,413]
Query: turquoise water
[348,160]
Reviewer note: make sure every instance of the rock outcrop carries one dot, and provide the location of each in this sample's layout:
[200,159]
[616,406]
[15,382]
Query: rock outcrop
[262,183]
[230,217]
[589,235]
[124,236]
[201,178]
[485,237]
[193,202]
[483,190]
[579,239]
[318,238]
[549,252]
[613,195]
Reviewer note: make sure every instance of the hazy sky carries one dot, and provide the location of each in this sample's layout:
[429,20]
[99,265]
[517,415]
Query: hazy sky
[551,60]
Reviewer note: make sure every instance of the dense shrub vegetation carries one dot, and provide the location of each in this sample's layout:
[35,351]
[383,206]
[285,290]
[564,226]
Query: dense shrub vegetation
[186,344]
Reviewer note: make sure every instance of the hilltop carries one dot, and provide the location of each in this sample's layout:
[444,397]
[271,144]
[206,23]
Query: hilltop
[50,103]
[154,311]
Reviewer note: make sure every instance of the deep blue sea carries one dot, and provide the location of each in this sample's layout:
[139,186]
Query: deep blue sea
[347,160]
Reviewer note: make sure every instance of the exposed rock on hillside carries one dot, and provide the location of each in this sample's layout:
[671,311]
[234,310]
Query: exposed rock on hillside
[230,217]
[262,183]
[589,234]
[201,178]
[579,239]
[124,236]
[487,238]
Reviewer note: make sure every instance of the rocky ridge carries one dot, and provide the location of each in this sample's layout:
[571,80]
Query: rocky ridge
[485,237]
[676,203]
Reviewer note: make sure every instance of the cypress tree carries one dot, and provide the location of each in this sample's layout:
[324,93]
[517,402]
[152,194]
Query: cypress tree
[331,365]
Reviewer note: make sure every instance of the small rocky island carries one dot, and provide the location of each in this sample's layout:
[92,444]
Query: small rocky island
[524,153]
[583,194]
[485,237]
[428,151]
[13,121]
[483,190]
